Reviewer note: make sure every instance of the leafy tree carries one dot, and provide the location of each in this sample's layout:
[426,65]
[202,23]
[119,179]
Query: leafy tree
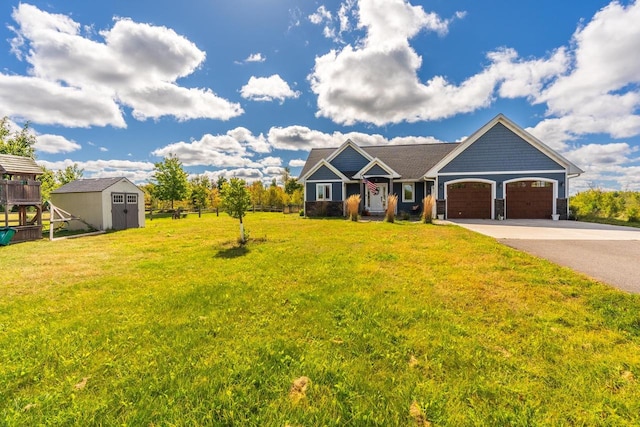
[236,201]
[290,184]
[171,180]
[275,196]
[200,189]
[220,182]
[68,174]
[256,192]
[47,183]
[149,197]
[19,143]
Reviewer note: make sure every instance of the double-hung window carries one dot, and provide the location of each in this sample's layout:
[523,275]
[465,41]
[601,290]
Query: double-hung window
[323,192]
[408,192]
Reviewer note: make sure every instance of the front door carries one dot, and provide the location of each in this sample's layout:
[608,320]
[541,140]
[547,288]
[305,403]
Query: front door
[377,200]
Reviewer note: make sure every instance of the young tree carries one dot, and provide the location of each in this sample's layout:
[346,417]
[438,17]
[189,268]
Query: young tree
[256,192]
[236,201]
[47,183]
[200,189]
[290,184]
[68,174]
[19,143]
[171,180]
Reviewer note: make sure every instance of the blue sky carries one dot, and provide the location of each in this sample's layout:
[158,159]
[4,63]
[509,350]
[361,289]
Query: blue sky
[245,88]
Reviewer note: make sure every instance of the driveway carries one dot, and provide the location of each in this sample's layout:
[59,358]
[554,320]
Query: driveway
[608,253]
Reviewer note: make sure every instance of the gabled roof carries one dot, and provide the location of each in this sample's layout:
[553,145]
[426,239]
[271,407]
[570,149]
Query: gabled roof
[376,162]
[91,185]
[14,165]
[410,162]
[526,136]
[318,165]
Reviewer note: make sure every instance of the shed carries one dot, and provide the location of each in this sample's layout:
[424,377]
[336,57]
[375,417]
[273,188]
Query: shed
[105,203]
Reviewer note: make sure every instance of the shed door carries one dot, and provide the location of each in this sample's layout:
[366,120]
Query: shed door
[124,210]
[469,200]
[529,199]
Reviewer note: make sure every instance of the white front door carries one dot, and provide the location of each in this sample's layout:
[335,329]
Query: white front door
[377,200]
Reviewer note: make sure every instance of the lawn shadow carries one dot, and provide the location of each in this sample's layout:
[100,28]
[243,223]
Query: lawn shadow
[232,252]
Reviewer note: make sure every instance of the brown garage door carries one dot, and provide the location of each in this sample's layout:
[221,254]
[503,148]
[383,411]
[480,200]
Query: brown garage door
[529,199]
[469,200]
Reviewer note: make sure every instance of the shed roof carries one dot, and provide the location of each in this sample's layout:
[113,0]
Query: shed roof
[91,185]
[18,165]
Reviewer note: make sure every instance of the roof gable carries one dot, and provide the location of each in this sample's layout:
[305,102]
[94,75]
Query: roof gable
[91,185]
[323,164]
[512,156]
[376,167]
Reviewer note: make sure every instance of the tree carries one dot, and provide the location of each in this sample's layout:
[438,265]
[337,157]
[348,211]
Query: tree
[200,189]
[256,192]
[221,182]
[19,143]
[290,184]
[68,174]
[171,180]
[236,201]
[47,183]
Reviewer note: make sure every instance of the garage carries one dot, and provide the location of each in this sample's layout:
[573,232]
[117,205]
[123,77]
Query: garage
[529,200]
[469,199]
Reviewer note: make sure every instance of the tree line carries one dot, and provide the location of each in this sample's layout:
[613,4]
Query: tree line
[22,143]
[607,205]
[171,189]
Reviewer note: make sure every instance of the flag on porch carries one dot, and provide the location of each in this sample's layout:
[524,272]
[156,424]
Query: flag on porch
[371,185]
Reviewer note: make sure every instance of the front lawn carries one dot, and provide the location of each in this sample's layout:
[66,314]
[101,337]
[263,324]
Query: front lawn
[375,323]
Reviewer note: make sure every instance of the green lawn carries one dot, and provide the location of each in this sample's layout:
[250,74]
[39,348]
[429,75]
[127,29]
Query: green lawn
[393,324]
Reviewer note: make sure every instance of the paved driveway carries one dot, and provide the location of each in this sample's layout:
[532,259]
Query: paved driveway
[607,253]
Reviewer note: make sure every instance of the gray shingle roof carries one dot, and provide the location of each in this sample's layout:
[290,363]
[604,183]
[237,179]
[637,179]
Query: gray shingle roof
[87,185]
[409,161]
[17,164]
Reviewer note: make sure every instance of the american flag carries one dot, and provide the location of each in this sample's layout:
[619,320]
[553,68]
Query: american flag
[371,186]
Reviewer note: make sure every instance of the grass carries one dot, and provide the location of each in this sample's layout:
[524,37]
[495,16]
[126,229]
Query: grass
[390,324]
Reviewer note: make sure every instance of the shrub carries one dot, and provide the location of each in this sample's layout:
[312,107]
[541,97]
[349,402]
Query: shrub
[427,209]
[390,213]
[353,204]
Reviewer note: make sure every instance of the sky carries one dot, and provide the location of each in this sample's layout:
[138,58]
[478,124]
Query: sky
[246,88]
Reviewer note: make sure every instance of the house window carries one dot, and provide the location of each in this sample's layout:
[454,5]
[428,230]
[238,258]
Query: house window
[323,192]
[408,192]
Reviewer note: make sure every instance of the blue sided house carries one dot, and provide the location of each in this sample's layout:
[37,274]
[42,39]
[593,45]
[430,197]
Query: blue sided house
[500,171]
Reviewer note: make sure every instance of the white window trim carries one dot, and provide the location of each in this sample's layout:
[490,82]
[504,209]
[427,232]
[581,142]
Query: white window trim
[324,185]
[413,192]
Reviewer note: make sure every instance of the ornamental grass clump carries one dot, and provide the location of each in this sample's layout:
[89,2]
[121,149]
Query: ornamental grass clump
[390,213]
[427,209]
[353,203]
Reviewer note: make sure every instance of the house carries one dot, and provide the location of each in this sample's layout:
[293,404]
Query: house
[105,203]
[500,171]
[20,190]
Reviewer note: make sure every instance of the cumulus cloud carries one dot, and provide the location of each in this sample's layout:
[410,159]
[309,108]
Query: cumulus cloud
[137,172]
[268,89]
[599,93]
[52,144]
[302,138]
[297,163]
[255,57]
[137,66]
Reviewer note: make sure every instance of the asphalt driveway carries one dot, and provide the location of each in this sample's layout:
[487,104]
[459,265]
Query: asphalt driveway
[608,253]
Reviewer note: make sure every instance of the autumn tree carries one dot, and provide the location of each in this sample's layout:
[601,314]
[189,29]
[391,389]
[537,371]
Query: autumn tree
[256,192]
[171,180]
[236,201]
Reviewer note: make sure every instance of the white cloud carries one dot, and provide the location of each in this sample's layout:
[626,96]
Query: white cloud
[302,138]
[320,15]
[48,143]
[136,66]
[137,172]
[104,149]
[600,92]
[268,89]
[271,161]
[255,57]
[297,163]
